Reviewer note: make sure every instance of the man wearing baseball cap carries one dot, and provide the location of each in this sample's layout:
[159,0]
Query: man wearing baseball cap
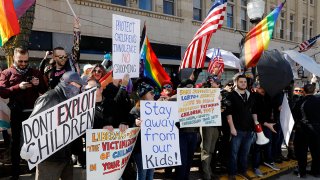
[59,164]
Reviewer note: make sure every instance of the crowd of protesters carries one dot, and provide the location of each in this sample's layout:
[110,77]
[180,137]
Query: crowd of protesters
[243,106]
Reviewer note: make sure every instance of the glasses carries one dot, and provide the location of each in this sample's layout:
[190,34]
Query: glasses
[229,84]
[23,61]
[167,86]
[298,90]
[97,71]
[62,57]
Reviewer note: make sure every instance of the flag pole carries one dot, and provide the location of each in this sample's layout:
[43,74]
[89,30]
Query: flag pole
[73,13]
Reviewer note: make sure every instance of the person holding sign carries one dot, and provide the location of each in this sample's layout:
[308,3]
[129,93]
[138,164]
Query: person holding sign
[145,92]
[117,104]
[241,116]
[59,164]
[188,138]
[210,136]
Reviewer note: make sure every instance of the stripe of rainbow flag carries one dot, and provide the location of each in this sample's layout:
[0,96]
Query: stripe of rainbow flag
[152,67]
[9,25]
[258,38]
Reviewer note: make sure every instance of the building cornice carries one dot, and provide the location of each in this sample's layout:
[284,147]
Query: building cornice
[130,10]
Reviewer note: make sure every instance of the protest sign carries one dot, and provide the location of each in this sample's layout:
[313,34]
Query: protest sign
[199,107]
[49,131]
[108,152]
[159,135]
[125,46]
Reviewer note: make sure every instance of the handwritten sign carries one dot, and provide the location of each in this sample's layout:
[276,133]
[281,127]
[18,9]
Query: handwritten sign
[125,46]
[159,135]
[108,152]
[199,107]
[47,132]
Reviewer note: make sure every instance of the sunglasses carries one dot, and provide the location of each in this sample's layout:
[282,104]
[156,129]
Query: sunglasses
[97,71]
[229,84]
[23,61]
[298,90]
[62,57]
[167,86]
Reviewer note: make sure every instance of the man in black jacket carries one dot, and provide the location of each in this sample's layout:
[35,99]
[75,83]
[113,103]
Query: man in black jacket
[241,116]
[59,164]
[117,104]
[307,117]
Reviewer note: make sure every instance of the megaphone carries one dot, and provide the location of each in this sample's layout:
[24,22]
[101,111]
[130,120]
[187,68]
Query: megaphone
[261,139]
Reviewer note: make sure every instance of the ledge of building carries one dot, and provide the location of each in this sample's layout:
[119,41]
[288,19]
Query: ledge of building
[114,7]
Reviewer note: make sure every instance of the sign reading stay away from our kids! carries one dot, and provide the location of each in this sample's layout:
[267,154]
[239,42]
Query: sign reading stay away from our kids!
[199,107]
[49,131]
[159,135]
[108,152]
[125,46]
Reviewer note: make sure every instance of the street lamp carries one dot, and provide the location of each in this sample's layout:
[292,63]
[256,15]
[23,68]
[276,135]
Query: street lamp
[255,10]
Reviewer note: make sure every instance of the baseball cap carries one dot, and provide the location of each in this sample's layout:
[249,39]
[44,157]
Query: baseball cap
[71,76]
[87,66]
[214,78]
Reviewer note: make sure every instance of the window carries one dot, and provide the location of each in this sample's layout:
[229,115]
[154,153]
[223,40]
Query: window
[282,28]
[311,29]
[168,7]
[243,2]
[282,25]
[230,16]
[41,41]
[304,20]
[291,27]
[311,1]
[145,4]
[197,10]
[243,16]
[119,2]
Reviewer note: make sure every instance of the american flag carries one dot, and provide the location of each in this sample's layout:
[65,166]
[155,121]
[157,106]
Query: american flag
[216,62]
[308,43]
[195,54]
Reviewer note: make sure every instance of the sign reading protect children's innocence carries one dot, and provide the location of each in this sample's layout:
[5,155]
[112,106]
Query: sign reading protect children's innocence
[108,152]
[159,134]
[199,107]
[125,46]
[49,131]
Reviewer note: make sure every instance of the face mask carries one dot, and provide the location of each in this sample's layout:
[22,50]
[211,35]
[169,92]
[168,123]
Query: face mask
[69,90]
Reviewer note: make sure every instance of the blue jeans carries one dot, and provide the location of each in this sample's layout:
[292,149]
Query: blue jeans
[267,149]
[240,147]
[142,174]
[188,145]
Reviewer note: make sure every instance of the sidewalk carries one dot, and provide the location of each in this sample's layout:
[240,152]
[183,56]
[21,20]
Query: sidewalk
[80,174]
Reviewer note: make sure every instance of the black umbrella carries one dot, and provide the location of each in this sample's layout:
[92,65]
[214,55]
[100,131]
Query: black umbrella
[274,72]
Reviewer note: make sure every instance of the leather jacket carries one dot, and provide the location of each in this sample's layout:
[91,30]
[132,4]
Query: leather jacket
[44,102]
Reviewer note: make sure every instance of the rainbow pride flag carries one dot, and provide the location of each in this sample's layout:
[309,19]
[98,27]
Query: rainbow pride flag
[152,67]
[9,25]
[106,79]
[258,38]
[21,6]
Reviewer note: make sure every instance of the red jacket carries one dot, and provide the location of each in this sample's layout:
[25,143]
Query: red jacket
[20,99]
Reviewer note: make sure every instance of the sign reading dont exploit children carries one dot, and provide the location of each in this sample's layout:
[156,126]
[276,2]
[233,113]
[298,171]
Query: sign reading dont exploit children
[49,131]
[199,107]
[108,152]
[159,134]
